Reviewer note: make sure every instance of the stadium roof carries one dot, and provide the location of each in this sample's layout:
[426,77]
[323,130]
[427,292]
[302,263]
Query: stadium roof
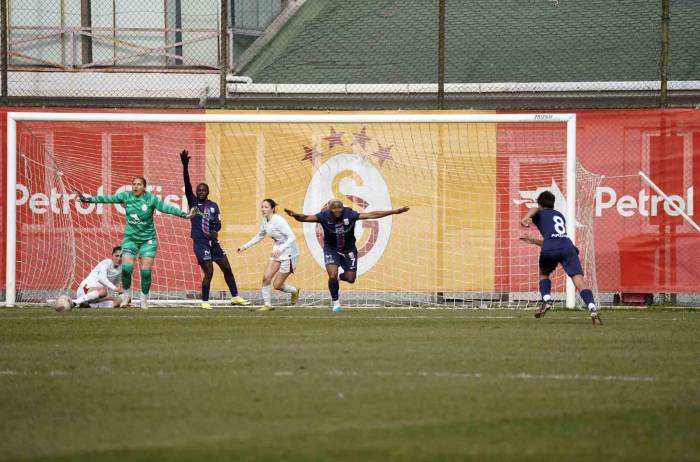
[389,41]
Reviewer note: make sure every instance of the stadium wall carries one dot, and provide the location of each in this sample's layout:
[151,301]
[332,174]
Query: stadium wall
[640,244]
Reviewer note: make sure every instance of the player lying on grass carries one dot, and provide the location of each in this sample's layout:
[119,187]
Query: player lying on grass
[285,254]
[556,249]
[205,236]
[339,248]
[93,292]
[140,232]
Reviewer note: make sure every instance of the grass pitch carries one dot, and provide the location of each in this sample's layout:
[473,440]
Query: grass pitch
[368,384]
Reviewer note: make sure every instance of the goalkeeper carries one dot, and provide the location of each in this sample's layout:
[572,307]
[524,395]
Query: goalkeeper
[140,232]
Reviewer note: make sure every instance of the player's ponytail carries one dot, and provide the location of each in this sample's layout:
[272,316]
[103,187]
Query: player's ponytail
[272,204]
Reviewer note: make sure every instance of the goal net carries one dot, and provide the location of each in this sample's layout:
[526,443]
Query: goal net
[468,179]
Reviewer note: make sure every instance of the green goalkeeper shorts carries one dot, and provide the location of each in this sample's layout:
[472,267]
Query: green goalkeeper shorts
[147,248]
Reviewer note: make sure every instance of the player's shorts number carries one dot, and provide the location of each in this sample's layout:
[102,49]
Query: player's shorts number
[559,225]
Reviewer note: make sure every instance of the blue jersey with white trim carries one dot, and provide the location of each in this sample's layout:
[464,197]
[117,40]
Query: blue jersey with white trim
[208,220]
[552,226]
[209,217]
[338,235]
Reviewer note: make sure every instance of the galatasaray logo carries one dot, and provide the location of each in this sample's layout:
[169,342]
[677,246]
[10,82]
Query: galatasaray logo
[352,178]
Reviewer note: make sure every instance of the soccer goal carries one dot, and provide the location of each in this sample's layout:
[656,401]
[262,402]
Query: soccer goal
[468,179]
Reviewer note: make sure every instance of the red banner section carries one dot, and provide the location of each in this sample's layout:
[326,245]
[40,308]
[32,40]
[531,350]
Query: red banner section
[642,244]
[99,158]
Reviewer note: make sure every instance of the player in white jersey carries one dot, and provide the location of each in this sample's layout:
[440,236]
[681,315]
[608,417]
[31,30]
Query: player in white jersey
[106,276]
[285,253]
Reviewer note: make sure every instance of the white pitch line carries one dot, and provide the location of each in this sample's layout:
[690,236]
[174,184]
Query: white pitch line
[345,373]
[265,316]
[513,376]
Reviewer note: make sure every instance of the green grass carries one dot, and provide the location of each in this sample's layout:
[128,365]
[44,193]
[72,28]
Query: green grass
[368,384]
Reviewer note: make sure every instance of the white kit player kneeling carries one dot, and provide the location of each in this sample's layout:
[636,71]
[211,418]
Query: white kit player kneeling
[94,291]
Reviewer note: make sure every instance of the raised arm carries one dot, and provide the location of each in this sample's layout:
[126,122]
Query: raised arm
[381,213]
[103,199]
[527,220]
[301,217]
[189,193]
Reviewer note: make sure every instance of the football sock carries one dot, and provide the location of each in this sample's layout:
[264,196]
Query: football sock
[231,283]
[88,297]
[333,287]
[288,289]
[545,289]
[205,289]
[145,280]
[267,294]
[127,269]
[587,297]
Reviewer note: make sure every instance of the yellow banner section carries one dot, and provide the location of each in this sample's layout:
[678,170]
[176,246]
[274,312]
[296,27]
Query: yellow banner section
[444,172]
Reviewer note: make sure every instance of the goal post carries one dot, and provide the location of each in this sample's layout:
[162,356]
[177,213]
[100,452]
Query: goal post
[218,170]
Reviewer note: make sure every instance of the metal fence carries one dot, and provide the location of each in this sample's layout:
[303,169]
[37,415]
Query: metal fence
[339,54]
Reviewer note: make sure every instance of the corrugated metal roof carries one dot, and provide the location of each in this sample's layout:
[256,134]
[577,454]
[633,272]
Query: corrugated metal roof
[370,41]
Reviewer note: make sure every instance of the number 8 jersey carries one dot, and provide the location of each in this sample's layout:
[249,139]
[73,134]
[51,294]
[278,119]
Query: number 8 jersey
[552,226]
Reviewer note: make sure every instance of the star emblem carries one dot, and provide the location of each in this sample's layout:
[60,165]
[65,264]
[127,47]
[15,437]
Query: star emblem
[360,138]
[335,138]
[383,154]
[311,153]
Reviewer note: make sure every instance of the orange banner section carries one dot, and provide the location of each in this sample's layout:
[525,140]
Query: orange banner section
[444,173]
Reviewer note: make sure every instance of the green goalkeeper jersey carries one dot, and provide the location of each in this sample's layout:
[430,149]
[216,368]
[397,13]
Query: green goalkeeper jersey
[139,213]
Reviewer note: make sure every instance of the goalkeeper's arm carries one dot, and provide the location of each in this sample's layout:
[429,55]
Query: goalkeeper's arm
[104,199]
[172,210]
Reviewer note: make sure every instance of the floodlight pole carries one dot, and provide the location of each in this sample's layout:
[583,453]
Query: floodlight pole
[3,51]
[441,55]
[223,59]
[664,52]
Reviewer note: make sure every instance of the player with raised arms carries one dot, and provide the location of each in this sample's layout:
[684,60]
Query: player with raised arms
[285,254]
[93,292]
[556,249]
[338,223]
[205,236]
[140,231]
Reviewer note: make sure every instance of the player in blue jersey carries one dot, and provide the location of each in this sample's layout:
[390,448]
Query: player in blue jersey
[556,249]
[205,232]
[339,249]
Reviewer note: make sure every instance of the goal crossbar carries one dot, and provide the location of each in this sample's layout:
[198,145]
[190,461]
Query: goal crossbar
[389,118]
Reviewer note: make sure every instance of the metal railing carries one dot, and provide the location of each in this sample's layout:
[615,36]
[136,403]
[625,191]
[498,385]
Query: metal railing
[296,59]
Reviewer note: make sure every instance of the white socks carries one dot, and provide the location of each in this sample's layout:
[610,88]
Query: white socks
[592,307]
[87,298]
[267,294]
[288,289]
